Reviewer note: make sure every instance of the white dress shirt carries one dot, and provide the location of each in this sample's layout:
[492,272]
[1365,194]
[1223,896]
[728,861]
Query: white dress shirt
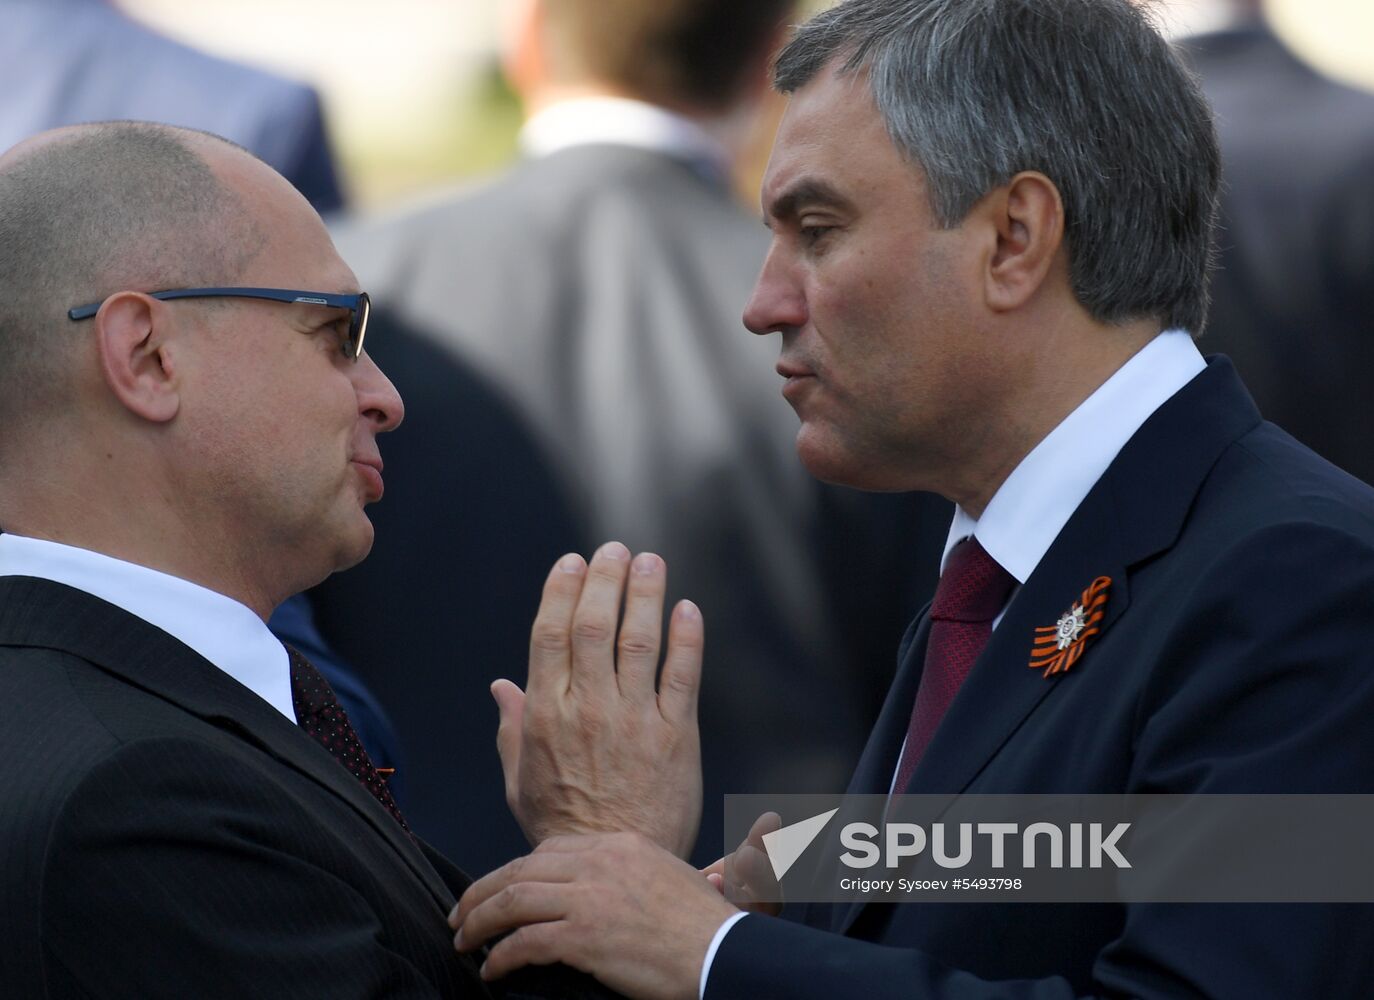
[622,122]
[219,628]
[1033,504]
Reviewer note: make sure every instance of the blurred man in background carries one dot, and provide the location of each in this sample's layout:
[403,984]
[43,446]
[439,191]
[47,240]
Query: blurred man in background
[1293,295]
[63,62]
[598,287]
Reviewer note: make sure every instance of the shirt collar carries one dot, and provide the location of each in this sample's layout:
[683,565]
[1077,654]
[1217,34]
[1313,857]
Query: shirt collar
[220,629]
[1031,507]
[623,122]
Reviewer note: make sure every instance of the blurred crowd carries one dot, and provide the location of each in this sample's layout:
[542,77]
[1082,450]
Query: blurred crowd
[567,339]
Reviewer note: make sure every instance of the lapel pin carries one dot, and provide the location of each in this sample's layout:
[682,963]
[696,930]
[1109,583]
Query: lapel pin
[1058,647]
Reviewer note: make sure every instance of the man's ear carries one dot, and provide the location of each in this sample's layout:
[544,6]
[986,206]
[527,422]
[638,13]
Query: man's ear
[134,357]
[1027,216]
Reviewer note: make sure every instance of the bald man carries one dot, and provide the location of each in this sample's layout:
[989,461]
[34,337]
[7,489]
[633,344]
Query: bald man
[188,435]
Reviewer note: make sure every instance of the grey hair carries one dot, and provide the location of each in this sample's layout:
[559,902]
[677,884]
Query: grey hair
[103,208]
[1086,92]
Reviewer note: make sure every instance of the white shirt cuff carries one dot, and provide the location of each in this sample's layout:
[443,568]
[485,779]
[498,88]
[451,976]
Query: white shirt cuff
[715,946]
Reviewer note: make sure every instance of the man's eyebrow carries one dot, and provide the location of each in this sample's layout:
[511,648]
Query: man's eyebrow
[806,193]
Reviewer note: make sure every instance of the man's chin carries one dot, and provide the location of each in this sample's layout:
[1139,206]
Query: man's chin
[355,548]
[828,460]
[821,456]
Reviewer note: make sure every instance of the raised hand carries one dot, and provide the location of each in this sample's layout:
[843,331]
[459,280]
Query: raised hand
[594,744]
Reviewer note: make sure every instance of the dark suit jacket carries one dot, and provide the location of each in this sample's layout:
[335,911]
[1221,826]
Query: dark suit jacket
[1293,295]
[166,833]
[1235,657]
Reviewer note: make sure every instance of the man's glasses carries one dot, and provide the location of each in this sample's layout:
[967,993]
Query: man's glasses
[358,306]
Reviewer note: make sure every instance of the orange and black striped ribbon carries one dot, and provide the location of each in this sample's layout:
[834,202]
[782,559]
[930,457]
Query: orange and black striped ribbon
[1046,653]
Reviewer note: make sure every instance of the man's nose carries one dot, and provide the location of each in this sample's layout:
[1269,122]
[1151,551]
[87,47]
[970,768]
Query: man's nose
[778,302]
[377,397]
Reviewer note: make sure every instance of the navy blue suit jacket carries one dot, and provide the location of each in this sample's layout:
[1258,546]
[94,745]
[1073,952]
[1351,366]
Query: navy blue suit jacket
[1235,658]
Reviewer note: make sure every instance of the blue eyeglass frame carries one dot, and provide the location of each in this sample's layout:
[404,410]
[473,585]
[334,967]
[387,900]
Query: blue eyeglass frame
[359,306]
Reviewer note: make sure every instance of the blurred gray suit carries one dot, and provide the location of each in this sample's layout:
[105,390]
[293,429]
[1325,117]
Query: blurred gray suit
[600,288]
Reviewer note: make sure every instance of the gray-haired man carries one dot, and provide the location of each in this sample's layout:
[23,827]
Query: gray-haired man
[991,231]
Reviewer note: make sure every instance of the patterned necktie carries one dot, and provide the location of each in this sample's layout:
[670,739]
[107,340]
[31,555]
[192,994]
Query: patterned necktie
[971,592]
[319,713]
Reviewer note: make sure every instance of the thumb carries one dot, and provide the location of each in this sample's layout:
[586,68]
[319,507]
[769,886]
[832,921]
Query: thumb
[769,822]
[510,703]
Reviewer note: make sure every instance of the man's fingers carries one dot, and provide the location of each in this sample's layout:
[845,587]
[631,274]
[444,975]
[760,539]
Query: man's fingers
[753,871]
[748,880]
[749,883]
[551,636]
[514,906]
[537,944]
[510,703]
[641,629]
[539,867]
[595,620]
[681,682]
[553,861]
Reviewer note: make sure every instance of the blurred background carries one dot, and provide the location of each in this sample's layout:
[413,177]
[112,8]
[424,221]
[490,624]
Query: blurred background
[414,99]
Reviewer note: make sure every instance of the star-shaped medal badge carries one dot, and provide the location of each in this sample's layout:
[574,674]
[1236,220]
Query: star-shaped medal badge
[1058,647]
[1071,626]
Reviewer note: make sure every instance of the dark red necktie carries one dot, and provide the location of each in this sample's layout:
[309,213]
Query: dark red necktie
[319,713]
[971,593]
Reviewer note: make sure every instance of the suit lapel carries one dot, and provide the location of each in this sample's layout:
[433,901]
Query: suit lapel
[50,615]
[1135,511]
[878,764]
[1001,689]
[876,768]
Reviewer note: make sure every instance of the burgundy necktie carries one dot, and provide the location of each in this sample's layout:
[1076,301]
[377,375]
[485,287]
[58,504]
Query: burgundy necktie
[971,592]
[319,713]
